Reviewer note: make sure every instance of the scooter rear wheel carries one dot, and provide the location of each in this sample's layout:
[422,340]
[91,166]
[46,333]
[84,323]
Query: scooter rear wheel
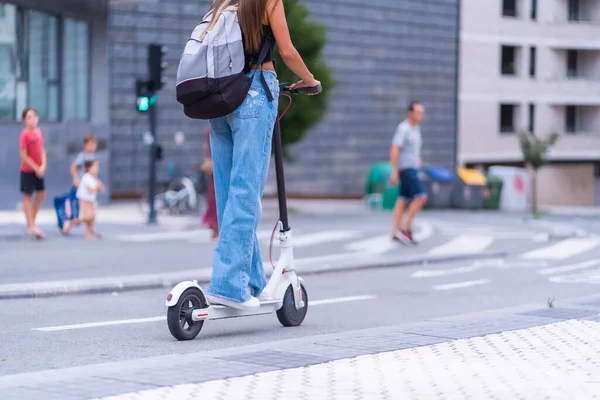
[179,316]
[287,314]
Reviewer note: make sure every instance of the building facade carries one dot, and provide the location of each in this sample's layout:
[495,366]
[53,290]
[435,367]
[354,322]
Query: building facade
[52,57]
[383,55]
[533,66]
[80,71]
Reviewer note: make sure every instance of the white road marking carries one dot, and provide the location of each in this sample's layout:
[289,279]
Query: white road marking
[313,303]
[498,234]
[377,245]
[463,244]
[425,231]
[99,324]
[460,285]
[587,276]
[568,268]
[261,235]
[564,249]
[477,265]
[323,237]
[434,273]
[190,236]
[340,300]
[164,236]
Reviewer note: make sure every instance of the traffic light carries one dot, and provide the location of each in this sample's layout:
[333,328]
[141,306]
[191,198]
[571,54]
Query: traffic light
[145,97]
[146,90]
[156,65]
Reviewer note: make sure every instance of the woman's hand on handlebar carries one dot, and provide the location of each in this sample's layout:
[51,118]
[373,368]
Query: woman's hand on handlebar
[309,84]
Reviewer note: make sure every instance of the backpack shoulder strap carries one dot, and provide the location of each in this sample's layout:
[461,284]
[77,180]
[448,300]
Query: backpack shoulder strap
[263,54]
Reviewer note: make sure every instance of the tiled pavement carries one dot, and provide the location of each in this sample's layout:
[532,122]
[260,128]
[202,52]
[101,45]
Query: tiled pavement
[556,361]
[527,352]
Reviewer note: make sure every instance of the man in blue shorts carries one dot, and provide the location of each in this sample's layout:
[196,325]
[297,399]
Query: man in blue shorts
[405,156]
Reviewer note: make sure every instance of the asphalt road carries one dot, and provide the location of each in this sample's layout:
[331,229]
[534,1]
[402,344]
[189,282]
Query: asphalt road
[142,250]
[338,302]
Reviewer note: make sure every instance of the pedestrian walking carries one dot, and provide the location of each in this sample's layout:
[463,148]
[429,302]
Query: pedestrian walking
[209,219]
[88,188]
[405,157]
[88,153]
[33,169]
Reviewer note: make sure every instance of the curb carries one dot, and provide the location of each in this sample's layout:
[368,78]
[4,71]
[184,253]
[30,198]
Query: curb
[202,275]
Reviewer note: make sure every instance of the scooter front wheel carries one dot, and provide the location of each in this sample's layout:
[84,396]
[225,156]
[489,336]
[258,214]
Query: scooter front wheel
[288,315]
[179,317]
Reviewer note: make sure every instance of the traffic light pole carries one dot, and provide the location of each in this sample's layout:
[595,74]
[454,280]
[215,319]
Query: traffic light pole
[146,91]
[152,177]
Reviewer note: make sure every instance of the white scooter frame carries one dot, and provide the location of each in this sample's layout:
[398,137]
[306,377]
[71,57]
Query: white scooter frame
[284,293]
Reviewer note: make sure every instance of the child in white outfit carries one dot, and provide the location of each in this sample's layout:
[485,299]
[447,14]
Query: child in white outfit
[86,194]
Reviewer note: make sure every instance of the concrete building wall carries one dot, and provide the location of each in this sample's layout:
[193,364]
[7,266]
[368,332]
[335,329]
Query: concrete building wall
[572,185]
[384,54]
[542,96]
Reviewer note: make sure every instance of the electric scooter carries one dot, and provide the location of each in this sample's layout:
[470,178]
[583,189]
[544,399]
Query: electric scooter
[284,294]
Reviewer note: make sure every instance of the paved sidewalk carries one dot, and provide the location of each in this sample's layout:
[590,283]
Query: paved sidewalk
[528,352]
[122,213]
[572,211]
[556,361]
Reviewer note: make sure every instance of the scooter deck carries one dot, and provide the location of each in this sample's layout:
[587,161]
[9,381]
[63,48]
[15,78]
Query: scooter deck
[218,311]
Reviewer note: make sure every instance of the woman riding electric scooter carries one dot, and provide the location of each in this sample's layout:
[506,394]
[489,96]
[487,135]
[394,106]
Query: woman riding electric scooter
[241,151]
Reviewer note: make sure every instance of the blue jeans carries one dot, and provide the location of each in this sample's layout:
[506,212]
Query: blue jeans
[241,150]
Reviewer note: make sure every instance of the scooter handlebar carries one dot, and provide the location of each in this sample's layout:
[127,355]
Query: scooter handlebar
[286,87]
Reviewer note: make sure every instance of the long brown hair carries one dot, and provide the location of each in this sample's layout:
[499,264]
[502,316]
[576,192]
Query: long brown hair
[250,15]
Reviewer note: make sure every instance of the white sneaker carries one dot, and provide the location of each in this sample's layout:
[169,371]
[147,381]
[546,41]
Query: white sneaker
[252,303]
[263,296]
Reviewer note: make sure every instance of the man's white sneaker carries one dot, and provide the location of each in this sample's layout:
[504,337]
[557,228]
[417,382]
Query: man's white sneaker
[250,304]
[401,237]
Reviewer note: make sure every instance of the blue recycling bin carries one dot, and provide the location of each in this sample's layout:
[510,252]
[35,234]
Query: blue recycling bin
[438,183]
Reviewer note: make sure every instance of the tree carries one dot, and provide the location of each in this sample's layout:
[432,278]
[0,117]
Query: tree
[309,38]
[535,152]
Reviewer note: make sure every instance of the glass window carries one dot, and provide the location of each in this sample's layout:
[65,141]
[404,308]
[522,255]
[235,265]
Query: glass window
[532,118]
[571,119]
[507,118]
[572,63]
[508,56]
[532,62]
[573,10]
[8,60]
[76,70]
[42,55]
[509,8]
[40,70]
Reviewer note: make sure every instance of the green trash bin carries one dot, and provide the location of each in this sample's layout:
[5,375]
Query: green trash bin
[379,193]
[494,187]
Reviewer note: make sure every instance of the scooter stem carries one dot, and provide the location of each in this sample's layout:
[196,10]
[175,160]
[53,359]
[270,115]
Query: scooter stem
[277,147]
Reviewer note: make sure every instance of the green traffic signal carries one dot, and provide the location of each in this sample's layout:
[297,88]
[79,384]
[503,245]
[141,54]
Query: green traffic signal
[143,103]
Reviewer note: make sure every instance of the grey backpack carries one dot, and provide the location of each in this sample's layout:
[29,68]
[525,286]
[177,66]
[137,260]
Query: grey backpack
[211,78]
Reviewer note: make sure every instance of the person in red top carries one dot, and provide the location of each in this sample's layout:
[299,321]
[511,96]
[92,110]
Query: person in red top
[33,169]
